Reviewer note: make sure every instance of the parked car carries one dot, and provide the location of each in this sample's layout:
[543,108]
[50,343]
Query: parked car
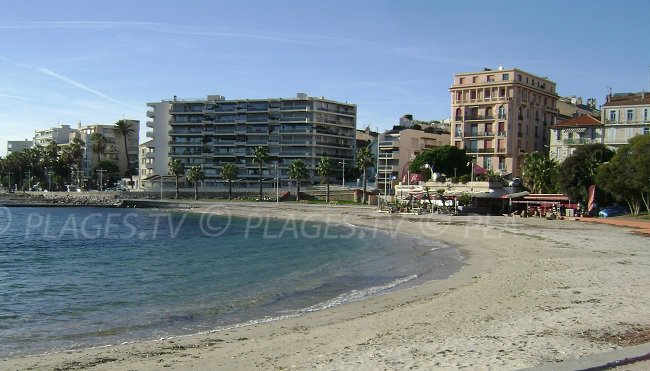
[608,212]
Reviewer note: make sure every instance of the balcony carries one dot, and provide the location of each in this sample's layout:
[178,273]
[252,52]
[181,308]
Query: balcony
[479,134]
[390,144]
[579,141]
[486,150]
[501,134]
[479,118]
[388,156]
[388,169]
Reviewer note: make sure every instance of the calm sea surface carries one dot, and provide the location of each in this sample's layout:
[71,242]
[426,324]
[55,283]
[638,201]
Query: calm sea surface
[84,277]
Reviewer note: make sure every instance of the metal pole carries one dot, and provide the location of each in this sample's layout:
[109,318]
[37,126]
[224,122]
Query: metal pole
[29,180]
[277,185]
[343,173]
[101,178]
[161,187]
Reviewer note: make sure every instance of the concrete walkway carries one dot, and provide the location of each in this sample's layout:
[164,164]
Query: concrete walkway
[639,225]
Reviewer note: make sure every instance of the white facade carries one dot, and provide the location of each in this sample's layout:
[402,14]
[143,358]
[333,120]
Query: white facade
[625,116]
[571,134]
[18,145]
[156,150]
[60,135]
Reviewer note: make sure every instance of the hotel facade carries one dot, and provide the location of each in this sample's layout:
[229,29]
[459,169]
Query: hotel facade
[624,116]
[214,131]
[498,116]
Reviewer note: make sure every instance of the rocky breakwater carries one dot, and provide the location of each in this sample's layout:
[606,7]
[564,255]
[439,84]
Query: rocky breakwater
[67,199]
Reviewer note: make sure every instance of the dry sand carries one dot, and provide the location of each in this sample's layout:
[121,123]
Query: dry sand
[533,291]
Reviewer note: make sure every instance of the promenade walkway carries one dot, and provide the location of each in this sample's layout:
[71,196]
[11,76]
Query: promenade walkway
[639,225]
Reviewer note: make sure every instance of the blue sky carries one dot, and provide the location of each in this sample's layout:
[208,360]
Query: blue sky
[96,62]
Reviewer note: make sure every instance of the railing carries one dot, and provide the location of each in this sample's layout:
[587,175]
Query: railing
[580,141]
[486,150]
[479,118]
[480,134]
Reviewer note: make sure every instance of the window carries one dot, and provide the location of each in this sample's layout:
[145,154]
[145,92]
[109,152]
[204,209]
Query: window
[645,115]
[502,112]
[487,93]
[487,163]
[472,94]
[505,77]
[474,79]
[459,95]
[502,163]
[612,116]
[490,78]
[502,92]
[461,80]
[558,134]
[629,115]
[519,77]
[646,131]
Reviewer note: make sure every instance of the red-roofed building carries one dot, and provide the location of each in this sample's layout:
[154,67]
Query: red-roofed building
[624,116]
[567,135]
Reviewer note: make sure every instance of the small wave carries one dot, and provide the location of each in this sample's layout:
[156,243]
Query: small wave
[355,295]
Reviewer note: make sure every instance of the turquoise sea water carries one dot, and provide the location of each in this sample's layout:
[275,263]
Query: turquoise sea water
[83,277]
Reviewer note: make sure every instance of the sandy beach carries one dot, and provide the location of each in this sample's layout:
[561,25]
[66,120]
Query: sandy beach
[532,292]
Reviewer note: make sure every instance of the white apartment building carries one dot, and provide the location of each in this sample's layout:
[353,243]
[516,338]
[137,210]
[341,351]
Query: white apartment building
[114,151]
[498,116]
[214,131]
[18,145]
[624,116]
[60,135]
[570,134]
[154,154]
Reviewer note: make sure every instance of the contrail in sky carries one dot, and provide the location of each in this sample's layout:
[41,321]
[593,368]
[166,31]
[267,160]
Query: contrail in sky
[81,86]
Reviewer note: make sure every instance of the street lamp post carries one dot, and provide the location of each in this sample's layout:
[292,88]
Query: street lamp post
[343,163]
[101,173]
[49,174]
[29,180]
[277,183]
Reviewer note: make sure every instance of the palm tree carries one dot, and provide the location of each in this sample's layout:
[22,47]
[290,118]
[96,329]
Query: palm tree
[194,176]
[298,171]
[75,152]
[177,169]
[539,172]
[260,156]
[365,159]
[325,168]
[124,129]
[51,152]
[98,145]
[229,174]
